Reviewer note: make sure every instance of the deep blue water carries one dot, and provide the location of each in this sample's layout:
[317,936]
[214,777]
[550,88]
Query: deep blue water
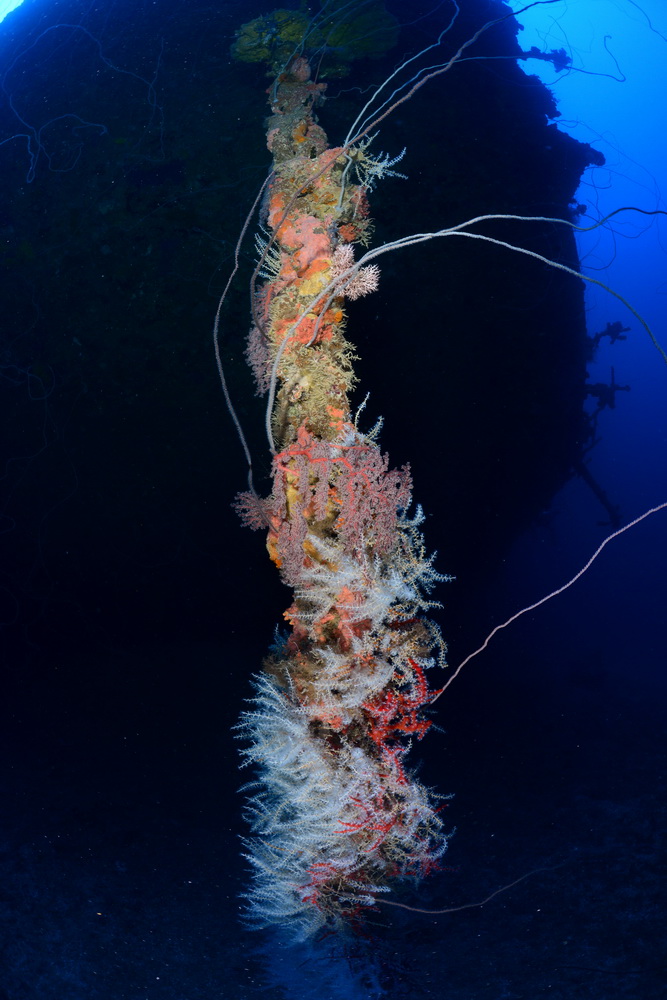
[135,608]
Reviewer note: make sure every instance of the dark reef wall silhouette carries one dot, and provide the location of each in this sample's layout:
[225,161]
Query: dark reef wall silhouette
[138,148]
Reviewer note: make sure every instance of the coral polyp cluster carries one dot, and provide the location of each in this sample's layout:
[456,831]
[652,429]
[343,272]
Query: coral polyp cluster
[336,816]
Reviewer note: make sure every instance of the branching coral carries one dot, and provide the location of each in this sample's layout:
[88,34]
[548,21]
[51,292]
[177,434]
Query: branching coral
[336,815]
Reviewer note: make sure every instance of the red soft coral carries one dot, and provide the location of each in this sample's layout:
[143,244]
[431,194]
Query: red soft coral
[370,495]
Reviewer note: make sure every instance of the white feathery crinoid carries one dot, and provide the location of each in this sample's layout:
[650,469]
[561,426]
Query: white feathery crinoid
[371,169]
[271,258]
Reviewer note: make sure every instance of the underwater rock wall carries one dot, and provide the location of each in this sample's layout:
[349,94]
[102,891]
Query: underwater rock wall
[118,229]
